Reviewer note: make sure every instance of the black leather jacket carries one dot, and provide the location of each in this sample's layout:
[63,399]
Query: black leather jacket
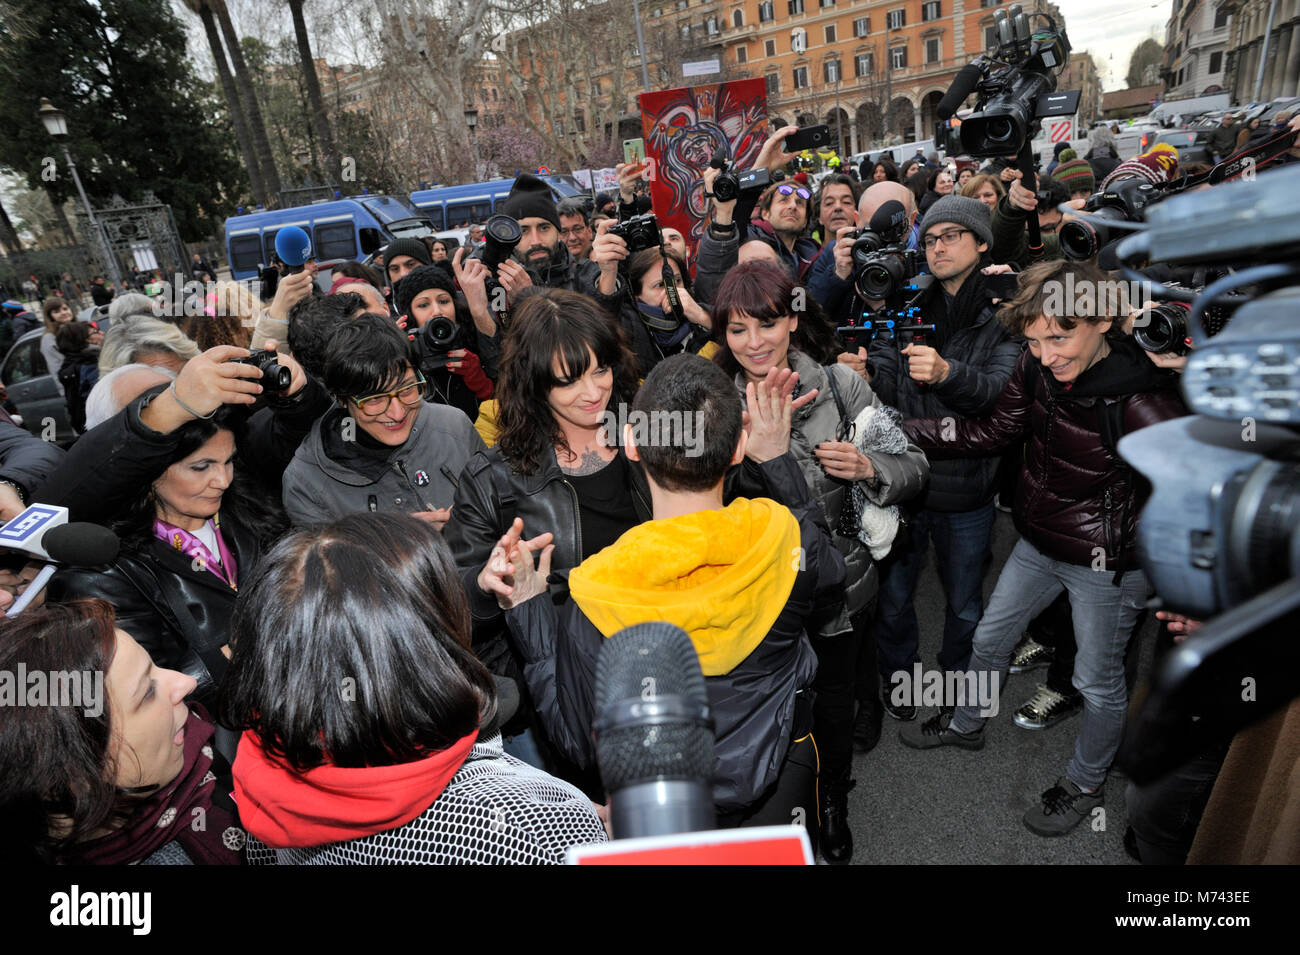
[491,495]
[180,615]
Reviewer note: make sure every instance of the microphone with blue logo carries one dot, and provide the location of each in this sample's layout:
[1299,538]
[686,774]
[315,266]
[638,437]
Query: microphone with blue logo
[293,248]
[44,532]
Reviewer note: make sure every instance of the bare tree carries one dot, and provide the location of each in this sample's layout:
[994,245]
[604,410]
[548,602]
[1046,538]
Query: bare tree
[319,117]
[257,128]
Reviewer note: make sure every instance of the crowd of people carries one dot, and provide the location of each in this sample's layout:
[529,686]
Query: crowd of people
[365,572]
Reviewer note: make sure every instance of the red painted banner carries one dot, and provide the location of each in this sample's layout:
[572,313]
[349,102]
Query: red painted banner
[683,128]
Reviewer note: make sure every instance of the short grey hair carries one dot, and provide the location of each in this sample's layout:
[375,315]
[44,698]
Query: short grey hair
[127,342]
[129,306]
[106,400]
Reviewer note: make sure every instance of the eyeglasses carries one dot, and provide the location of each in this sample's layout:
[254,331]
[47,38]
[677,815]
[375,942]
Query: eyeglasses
[1048,228]
[947,238]
[576,230]
[786,189]
[409,395]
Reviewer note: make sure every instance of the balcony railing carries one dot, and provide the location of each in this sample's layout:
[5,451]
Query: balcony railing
[1207,38]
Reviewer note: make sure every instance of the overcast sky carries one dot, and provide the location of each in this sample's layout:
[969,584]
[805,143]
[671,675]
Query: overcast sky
[1110,29]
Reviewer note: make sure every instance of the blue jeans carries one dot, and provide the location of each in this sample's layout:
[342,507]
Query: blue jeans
[961,546]
[1104,615]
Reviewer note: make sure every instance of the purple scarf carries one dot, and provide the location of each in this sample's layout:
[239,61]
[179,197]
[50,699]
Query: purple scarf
[222,564]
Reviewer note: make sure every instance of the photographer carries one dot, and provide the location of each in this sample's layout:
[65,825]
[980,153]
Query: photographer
[193,528]
[542,260]
[1074,393]
[451,368]
[958,373]
[1010,238]
[654,328]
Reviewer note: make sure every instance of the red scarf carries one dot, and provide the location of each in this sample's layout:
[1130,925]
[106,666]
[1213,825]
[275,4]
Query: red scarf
[290,810]
[210,837]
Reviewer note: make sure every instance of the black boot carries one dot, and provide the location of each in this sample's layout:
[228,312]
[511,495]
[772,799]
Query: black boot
[836,837]
[866,727]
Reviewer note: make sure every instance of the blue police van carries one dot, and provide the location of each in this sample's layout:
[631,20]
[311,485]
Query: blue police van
[341,230]
[454,207]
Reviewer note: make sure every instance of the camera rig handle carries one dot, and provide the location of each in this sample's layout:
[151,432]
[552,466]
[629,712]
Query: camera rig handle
[1025,163]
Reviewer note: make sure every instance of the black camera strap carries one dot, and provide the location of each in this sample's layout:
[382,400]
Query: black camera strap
[1236,165]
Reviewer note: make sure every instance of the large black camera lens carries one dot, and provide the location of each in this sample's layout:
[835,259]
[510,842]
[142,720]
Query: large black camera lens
[865,246]
[439,334]
[1079,240]
[1000,129]
[500,236]
[880,277]
[1163,329]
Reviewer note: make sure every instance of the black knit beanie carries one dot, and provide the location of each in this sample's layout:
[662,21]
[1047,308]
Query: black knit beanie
[530,197]
[418,280]
[415,248]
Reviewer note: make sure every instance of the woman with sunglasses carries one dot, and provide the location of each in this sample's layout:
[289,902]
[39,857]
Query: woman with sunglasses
[756,323]
[383,448]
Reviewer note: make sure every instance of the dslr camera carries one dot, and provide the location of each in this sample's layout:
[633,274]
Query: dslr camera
[432,343]
[1124,201]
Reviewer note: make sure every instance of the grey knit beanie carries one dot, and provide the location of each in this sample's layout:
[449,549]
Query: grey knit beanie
[959,210]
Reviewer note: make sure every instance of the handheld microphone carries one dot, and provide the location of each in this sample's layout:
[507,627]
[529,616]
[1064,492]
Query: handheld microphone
[654,733]
[963,84]
[889,220]
[80,544]
[293,246]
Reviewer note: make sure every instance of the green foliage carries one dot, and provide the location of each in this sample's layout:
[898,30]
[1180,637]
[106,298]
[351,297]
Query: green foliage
[139,118]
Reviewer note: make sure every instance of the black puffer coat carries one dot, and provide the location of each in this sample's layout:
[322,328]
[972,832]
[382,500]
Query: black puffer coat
[981,355]
[1075,494]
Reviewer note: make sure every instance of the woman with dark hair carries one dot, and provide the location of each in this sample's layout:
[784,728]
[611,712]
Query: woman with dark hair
[757,324]
[654,331]
[565,365]
[937,185]
[191,529]
[884,171]
[78,343]
[114,767]
[449,352]
[908,170]
[919,183]
[385,748]
[382,447]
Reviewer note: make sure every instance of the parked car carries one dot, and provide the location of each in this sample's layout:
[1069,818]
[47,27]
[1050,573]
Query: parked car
[35,391]
[1192,144]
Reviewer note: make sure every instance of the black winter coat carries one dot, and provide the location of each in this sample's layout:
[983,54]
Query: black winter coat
[179,614]
[754,706]
[1075,494]
[981,355]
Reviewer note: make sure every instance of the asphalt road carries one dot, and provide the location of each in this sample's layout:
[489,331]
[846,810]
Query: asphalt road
[955,806]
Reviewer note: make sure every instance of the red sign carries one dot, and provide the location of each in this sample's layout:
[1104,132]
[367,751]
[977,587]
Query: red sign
[1060,130]
[762,845]
[682,130]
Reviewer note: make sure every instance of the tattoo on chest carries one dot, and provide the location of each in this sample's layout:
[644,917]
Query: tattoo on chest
[589,463]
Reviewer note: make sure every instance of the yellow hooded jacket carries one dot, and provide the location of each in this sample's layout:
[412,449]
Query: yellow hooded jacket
[723,576]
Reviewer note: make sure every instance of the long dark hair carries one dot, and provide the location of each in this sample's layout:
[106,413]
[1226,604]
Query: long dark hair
[243,502]
[352,647]
[553,324]
[766,291]
[645,262]
[57,782]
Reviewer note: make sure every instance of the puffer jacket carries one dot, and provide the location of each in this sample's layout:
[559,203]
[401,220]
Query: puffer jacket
[982,356]
[421,475]
[754,700]
[1075,495]
[899,477]
[180,615]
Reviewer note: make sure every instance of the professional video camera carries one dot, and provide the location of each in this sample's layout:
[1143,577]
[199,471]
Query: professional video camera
[1015,84]
[1220,536]
[731,184]
[882,263]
